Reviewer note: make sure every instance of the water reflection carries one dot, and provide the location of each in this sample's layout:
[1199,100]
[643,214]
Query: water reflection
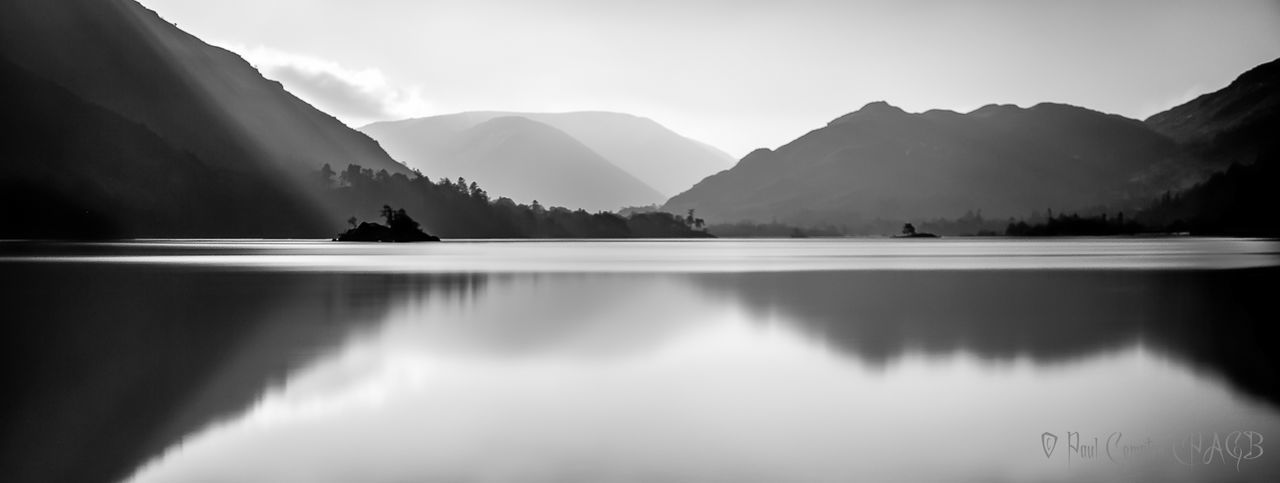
[181,373]
[105,366]
[757,377]
[1219,320]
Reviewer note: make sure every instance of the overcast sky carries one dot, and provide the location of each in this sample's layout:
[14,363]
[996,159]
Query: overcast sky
[737,74]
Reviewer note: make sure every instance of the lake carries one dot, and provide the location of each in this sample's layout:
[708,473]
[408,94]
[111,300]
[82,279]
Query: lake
[808,360]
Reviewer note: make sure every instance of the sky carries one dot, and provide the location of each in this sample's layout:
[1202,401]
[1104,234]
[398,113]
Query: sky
[737,74]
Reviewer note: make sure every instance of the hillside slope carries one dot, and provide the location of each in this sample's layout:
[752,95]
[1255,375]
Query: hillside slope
[526,160]
[883,163]
[1231,125]
[657,156]
[202,101]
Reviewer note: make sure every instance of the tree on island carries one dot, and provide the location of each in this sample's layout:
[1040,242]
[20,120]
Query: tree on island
[909,231]
[399,228]
[399,221]
[693,222]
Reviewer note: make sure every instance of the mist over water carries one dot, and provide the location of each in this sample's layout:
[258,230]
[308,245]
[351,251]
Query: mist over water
[804,360]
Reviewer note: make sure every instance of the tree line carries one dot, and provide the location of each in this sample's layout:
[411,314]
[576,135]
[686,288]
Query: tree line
[1240,201]
[461,209]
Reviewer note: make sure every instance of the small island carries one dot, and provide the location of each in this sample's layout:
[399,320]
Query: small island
[399,228]
[909,231]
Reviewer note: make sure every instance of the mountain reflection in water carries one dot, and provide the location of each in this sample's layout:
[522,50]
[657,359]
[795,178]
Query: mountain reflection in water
[200,372]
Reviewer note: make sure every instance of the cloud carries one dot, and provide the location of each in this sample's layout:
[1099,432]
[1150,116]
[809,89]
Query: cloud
[355,96]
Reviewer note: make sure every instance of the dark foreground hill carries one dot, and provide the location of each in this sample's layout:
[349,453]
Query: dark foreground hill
[132,127]
[73,169]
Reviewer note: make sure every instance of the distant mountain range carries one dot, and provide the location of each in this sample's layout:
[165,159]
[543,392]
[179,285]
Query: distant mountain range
[883,163]
[196,128]
[592,160]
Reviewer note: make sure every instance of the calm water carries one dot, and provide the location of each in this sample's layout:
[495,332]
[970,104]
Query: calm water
[668,361]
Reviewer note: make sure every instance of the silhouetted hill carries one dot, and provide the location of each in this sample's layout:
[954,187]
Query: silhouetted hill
[204,102]
[655,155]
[516,157]
[120,55]
[1231,125]
[883,163]
[72,169]
[1237,202]
[1232,130]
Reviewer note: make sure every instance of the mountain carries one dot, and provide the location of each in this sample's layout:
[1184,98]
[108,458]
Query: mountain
[527,160]
[667,161]
[207,105]
[883,163]
[515,156]
[1234,130]
[73,169]
[657,156]
[1231,125]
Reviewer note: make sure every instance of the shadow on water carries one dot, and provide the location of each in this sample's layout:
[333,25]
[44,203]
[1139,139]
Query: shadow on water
[108,366]
[1220,321]
[105,366]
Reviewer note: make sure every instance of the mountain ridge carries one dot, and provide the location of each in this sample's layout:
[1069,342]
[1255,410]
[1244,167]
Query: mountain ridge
[661,158]
[527,161]
[1233,124]
[200,99]
[882,162]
